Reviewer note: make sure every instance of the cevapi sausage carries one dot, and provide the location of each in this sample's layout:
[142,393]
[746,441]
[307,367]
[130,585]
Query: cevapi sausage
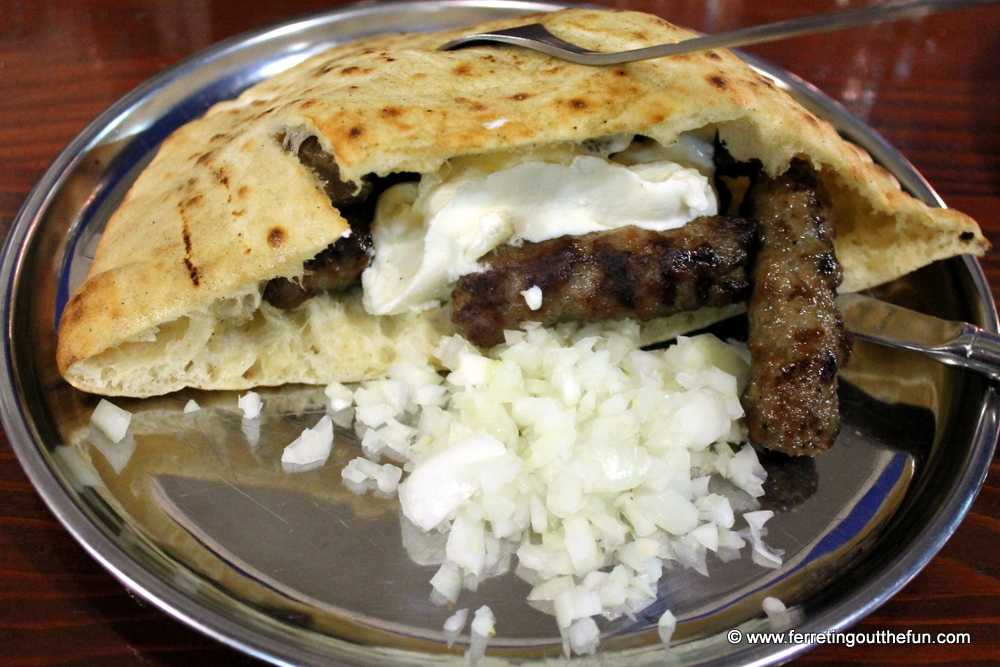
[797,337]
[612,275]
[339,266]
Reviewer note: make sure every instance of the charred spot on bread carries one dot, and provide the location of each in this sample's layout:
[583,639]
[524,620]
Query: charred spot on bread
[276,237]
[718,81]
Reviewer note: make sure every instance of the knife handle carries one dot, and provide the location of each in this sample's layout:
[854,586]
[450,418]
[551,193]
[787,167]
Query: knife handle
[982,351]
[973,348]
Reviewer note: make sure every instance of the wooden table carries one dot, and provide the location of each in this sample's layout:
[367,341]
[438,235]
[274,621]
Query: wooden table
[931,87]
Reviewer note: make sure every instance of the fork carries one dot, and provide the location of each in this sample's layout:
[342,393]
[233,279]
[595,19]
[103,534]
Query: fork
[536,36]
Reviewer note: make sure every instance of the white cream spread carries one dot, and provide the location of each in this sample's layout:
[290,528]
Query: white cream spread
[428,234]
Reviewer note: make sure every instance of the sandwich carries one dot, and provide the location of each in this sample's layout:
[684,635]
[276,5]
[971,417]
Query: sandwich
[382,194]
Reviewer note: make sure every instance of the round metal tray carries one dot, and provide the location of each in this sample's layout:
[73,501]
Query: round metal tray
[195,514]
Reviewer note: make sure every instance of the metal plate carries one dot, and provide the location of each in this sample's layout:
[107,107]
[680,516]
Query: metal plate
[194,512]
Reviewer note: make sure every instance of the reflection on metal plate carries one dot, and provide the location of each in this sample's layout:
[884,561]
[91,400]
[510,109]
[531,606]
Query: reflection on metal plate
[340,555]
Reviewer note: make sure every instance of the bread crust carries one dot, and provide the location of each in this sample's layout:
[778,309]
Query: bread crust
[225,205]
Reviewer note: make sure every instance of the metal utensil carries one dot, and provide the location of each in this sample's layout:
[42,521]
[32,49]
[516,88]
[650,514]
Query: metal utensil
[953,343]
[536,36]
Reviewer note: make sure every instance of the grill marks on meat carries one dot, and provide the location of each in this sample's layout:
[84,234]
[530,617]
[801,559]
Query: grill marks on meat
[626,272]
[797,338]
[340,265]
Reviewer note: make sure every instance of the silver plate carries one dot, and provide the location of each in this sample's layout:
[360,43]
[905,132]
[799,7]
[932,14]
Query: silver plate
[198,519]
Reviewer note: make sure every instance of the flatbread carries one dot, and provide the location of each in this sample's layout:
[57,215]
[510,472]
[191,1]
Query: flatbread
[173,296]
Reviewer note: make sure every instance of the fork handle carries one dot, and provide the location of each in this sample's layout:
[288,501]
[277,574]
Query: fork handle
[818,23]
[535,36]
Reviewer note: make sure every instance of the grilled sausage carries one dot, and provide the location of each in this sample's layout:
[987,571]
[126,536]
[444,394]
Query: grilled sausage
[626,272]
[339,266]
[797,337]
[335,269]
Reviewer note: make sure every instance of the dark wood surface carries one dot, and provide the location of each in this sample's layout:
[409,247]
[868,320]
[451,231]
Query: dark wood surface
[930,86]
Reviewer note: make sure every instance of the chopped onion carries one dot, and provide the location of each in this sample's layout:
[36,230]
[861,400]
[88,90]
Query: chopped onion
[762,554]
[592,459]
[666,626]
[191,406]
[313,446]
[454,625]
[340,396]
[779,617]
[483,627]
[111,420]
[773,606]
[584,636]
[533,297]
[437,488]
[251,404]
[447,583]
[746,472]
[362,474]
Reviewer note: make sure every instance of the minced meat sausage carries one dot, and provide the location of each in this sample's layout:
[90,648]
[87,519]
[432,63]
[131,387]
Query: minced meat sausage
[340,265]
[797,338]
[625,272]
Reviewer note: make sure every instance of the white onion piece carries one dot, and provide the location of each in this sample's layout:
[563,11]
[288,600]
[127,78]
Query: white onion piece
[117,445]
[772,606]
[666,626]
[454,625]
[111,420]
[779,617]
[340,396]
[483,627]
[581,545]
[762,554]
[584,636]
[533,297]
[363,474]
[715,508]
[746,472]
[437,488]
[250,404]
[313,446]
[466,546]
[447,583]
[191,406]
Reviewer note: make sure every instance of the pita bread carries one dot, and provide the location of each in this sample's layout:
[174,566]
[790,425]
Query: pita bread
[173,296]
